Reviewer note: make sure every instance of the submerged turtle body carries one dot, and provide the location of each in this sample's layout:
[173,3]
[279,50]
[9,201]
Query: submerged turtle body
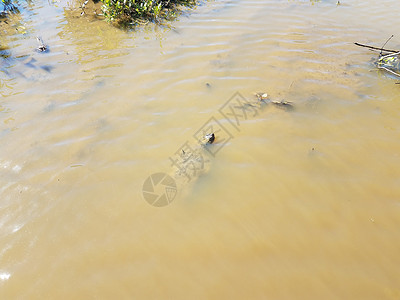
[192,161]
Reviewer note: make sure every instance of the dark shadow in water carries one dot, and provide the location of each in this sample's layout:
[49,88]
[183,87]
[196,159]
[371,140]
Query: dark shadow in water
[47,68]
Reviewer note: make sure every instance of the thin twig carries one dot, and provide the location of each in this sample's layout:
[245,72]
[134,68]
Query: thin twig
[376,48]
[389,55]
[388,70]
[386,43]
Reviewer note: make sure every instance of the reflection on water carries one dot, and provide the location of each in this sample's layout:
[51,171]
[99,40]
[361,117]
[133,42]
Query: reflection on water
[300,203]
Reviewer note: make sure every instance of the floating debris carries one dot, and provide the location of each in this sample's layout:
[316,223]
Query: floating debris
[389,60]
[390,63]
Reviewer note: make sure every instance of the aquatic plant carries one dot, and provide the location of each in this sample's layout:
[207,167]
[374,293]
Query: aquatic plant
[124,12]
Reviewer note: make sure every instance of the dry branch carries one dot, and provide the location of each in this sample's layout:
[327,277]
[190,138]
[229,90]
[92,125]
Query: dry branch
[376,48]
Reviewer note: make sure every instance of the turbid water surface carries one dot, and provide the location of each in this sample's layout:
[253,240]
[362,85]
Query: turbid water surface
[295,204]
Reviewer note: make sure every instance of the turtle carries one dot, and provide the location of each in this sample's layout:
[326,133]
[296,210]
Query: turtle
[209,138]
[42,46]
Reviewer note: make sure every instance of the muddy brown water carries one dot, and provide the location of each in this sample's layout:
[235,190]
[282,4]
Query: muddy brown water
[299,204]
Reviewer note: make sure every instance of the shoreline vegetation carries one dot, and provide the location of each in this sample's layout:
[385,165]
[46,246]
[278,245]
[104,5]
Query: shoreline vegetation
[126,13]
[8,7]
[120,13]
